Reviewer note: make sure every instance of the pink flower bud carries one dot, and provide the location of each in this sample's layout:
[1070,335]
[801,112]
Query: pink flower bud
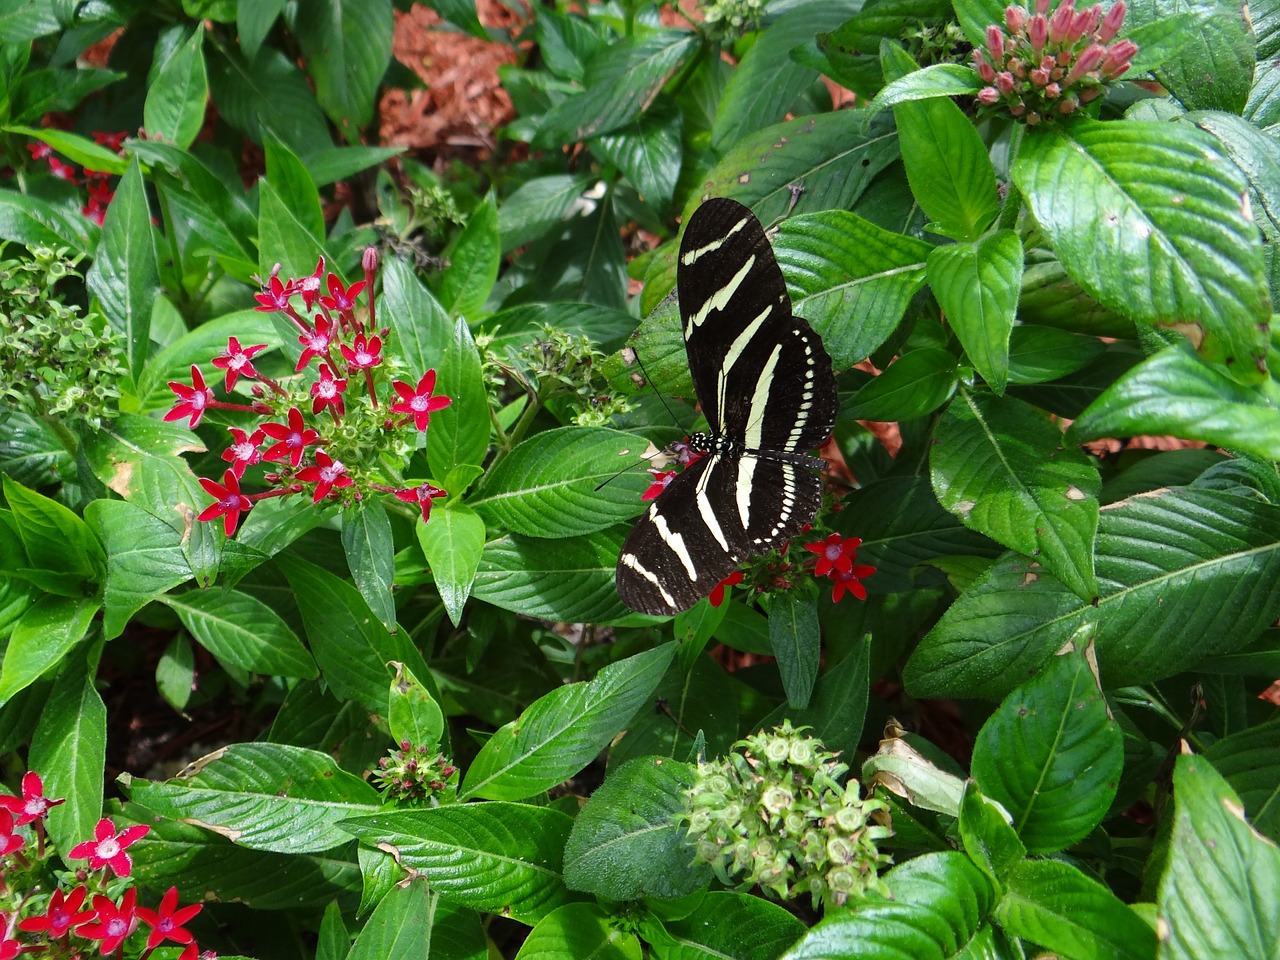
[1068,106]
[1080,24]
[1047,63]
[1089,93]
[369,260]
[1042,7]
[1018,109]
[1088,61]
[986,72]
[1064,58]
[1004,81]
[1019,69]
[988,95]
[1117,58]
[1112,21]
[1061,21]
[1015,18]
[1033,118]
[1038,33]
[995,43]
[1053,91]
[1040,76]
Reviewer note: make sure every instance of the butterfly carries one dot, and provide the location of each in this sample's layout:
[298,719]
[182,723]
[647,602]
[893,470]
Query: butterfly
[765,384]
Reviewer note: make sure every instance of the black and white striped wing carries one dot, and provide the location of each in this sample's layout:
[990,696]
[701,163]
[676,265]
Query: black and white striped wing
[698,531]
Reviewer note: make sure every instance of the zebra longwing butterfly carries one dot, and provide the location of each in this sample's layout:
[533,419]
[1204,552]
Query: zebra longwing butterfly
[765,385]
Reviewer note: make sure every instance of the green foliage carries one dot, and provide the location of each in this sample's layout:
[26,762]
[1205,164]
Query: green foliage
[426,674]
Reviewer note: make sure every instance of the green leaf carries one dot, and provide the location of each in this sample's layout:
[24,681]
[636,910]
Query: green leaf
[915,384]
[1216,897]
[564,730]
[74,147]
[421,327]
[988,838]
[399,928]
[1038,354]
[1258,157]
[727,925]
[977,285]
[569,580]
[493,857]
[412,712]
[939,902]
[648,152]
[351,647]
[459,434]
[242,631]
[34,222]
[291,181]
[342,163]
[1051,755]
[453,542]
[370,552]
[796,643]
[264,796]
[1176,393]
[838,709]
[1212,65]
[849,278]
[536,206]
[1250,762]
[937,80]
[54,539]
[1055,905]
[621,82]
[124,277]
[283,238]
[177,96]
[1148,219]
[27,21]
[473,263]
[1003,469]
[69,750]
[176,672]
[1184,574]
[39,92]
[549,485]
[48,630]
[144,560]
[950,173]
[628,841]
[347,46]
[579,930]
[254,21]
[462,13]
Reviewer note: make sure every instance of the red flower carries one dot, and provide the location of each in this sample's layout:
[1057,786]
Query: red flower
[10,949]
[115,923]
[60,916]
[292,438]
[310,286]
[419,403]
[328,392]
[167,922]
[237,361]
[8,841]
[660,480]
[717,594]
[39,150]
[32,805]
[244,451]
[229,504]
[341,298]
[422,495]
[275,296]
[63,171]
[112,141]
[850,582]
[316,343]
[365,353]
[192,400]
[835,553]
[327,474]
[107,848]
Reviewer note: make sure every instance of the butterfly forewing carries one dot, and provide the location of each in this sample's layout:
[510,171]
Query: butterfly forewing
[765,385]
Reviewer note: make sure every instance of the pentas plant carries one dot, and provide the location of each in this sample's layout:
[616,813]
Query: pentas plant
[52,912]
[97,183]
[340,427]
[1044,65]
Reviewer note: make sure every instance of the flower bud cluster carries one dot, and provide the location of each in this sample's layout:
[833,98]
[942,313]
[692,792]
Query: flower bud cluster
[732,18]
[1045,65]
[775,814]
[416,776]
[54,361]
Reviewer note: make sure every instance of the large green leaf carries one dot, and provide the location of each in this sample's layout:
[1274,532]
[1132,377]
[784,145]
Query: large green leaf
[242,631]
[458,434]
[1250,761]
[35,222]
[284,238]
[177,96]
[726,926]
[648,152]
[628,841]
[268,93]
[347,46]
[570,580]
[1148,218]
[849,278]
[370,551]
[1258,157]
[291,181]
[46,632]
[1003,469]
[494,857]
[987,836]
[536,206]
[796,642]
[453,541]
[474,258]
[915,384]
[1211,66]
[549,485]
[561,732]
[265,796]
[579,930]
[1051,755]
[1184,574]
[1220,893]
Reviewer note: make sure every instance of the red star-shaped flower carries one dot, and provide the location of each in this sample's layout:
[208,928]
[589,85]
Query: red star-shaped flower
[243,451]
[114,921]
[364,354]
[716,596]
[660,480]
[112,141]
[850,582]
[341,298]
[327,474]
[419,403]
[291,438]
[328,392]
[316,343]
[834,553]
[422,495]
[39,149]
[309,287]
[9,841]
[275,296]
[9,949]
[237,361]
[63,171]
[107,848]
[33,804]
[167,922]
[192,400]
[60,916]
[228,503]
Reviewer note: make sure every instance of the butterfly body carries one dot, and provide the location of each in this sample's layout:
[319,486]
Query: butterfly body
[765,385]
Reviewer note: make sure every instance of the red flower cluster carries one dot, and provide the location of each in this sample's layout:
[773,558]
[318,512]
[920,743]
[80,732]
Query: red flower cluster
[111,922]
[346,351]
[836,556]
[95,182]
[1049,64]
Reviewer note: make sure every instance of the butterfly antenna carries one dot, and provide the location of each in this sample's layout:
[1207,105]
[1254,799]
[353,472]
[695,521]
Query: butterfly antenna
[663,400]
[648,459]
